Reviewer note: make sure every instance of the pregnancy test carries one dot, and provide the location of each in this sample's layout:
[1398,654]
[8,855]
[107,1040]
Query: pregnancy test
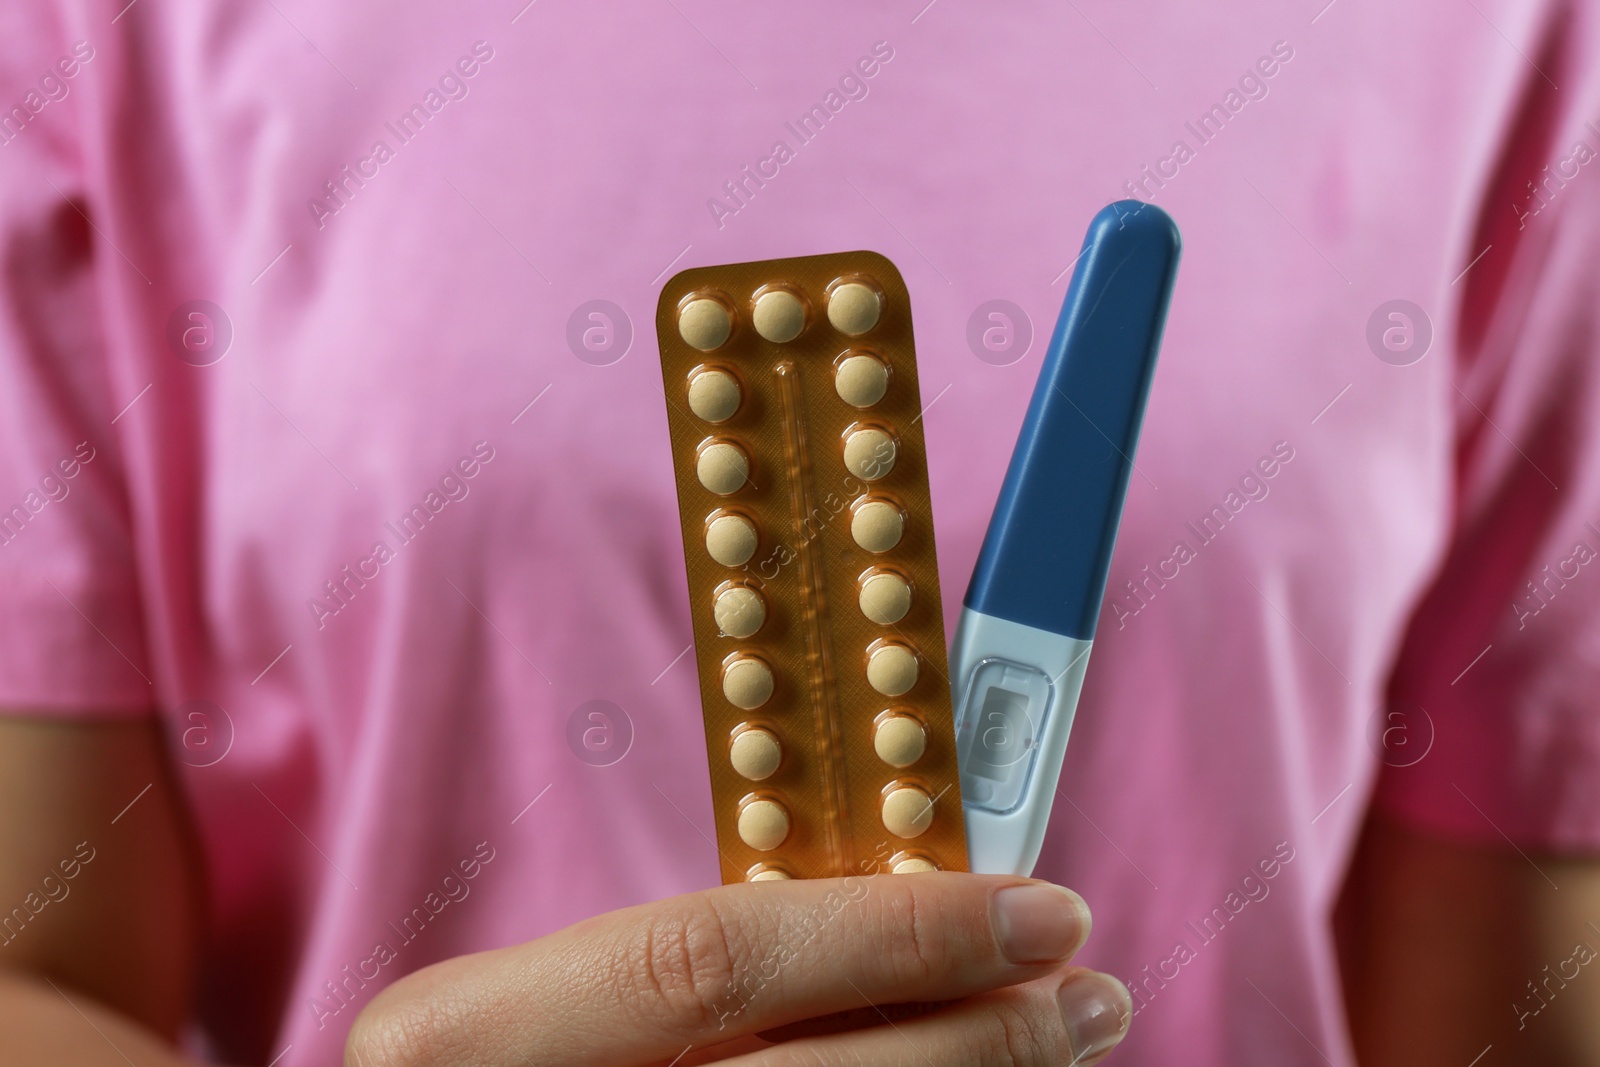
[1028,620]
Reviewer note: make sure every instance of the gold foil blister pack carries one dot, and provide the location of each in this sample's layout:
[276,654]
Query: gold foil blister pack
[802,477]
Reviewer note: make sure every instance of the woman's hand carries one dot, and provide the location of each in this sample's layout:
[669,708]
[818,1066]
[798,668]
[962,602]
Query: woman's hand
[663,983]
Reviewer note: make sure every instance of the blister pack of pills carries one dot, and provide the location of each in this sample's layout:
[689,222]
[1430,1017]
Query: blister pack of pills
[796,429]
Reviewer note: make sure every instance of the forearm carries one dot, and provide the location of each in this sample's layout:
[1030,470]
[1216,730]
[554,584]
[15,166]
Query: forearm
[98,893]
[45,1022]
[1452,950]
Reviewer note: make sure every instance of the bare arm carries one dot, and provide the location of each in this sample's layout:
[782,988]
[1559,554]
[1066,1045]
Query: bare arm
[98,919]
[1455,952]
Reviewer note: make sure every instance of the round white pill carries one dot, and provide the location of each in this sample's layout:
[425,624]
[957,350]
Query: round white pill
[885,598]
[892,670]
[722,468]
[731,540]
[907,812]
[704,324]
[861,381]
[769,874]
[739,611]
[876,526]
[778,316]
[763,824]
[854,308]
[899,740]
[755,754]
[869,454]
[747,683]
[713,395]
[913,865]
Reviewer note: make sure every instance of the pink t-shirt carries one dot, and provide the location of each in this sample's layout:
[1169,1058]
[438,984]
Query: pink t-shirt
[332,433]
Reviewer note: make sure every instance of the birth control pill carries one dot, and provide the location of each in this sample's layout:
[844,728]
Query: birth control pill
[763,824]
[739,611]
[907,812]
[779,316]
[854,308]
[869,454]
[755,753]
[861,381]
[885,598]
[876,526]
[722,468]
[892,669]
[731,540]
[794,407]
[704,324]
[747,683]
[899,740]
[713,395]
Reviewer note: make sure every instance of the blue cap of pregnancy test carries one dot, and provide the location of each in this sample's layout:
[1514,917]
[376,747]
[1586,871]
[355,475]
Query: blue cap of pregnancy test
[1048,548]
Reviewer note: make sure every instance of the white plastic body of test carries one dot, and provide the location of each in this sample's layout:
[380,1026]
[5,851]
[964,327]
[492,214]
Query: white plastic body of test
[1009,842]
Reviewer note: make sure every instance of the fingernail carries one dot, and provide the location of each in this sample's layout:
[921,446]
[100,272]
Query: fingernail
[1097,1009]
[1039,923]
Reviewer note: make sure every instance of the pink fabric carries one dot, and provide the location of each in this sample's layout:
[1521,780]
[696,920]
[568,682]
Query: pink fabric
[409,323]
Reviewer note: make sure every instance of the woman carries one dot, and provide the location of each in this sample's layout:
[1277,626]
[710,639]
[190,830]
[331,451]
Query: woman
[336,441]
